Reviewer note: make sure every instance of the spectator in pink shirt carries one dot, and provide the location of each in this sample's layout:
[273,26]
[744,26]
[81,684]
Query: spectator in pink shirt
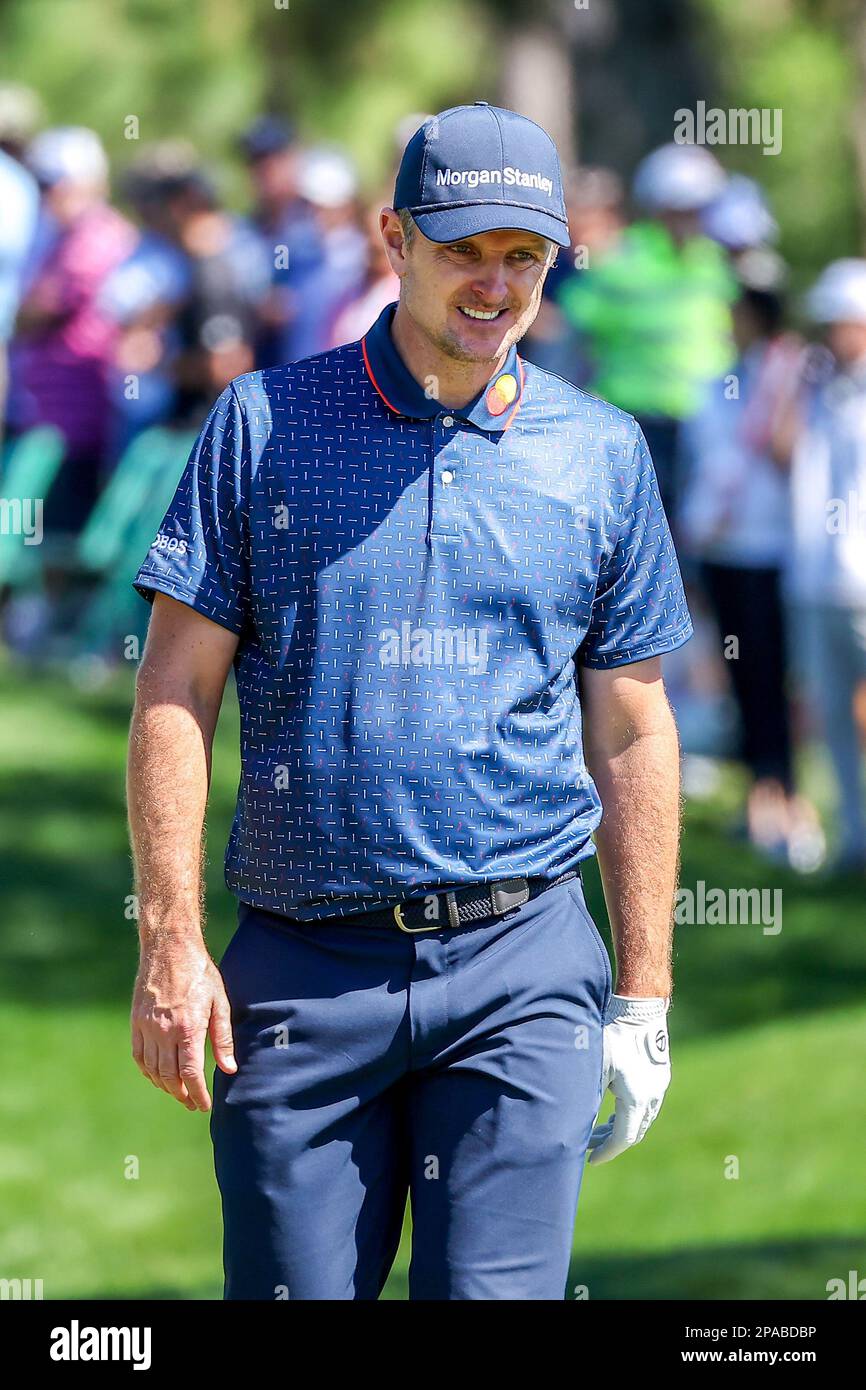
[65,340]
[360,308]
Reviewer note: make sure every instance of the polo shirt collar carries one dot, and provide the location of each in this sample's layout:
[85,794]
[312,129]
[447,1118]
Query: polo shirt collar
[492,409]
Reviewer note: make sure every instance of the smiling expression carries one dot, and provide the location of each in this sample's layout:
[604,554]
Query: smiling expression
[473,299]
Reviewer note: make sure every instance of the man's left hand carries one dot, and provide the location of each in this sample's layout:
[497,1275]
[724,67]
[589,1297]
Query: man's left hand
[636,1067]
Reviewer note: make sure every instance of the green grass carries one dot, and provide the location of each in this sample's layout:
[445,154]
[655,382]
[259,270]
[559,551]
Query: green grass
[107,1185]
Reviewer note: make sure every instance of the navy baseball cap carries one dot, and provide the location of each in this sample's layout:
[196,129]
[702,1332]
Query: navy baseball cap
[267,135]
[478,169]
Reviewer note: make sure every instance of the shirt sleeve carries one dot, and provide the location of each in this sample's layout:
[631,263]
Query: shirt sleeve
[639,609]
[200,555]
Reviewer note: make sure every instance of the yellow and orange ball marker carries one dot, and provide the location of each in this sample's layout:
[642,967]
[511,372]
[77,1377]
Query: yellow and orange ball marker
[502,393]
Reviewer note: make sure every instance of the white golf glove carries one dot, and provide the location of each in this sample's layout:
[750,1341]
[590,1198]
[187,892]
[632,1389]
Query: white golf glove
[636,1067]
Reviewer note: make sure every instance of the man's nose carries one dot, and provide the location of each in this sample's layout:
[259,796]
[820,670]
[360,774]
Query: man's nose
[490,283]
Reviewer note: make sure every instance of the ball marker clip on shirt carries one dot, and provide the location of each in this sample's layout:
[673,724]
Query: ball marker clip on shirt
[501,394]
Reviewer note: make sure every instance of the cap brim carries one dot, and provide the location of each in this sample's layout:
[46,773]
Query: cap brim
[453,224]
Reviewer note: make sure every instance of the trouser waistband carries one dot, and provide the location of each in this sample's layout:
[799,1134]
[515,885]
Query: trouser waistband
[458,907]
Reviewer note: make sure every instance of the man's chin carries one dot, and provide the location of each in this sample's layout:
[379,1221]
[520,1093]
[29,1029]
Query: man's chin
[459,352]
[464,349]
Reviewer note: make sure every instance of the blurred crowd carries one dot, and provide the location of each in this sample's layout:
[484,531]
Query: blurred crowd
[127,307]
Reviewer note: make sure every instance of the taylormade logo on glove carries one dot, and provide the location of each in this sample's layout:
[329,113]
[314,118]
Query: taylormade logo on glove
[636,1067]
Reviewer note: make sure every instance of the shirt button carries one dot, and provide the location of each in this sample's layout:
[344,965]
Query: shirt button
[447,475]
[448,421]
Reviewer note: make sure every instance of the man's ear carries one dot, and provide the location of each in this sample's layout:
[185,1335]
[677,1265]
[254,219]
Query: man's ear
[394,241]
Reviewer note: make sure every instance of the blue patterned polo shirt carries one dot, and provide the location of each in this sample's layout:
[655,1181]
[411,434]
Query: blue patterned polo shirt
[413,588]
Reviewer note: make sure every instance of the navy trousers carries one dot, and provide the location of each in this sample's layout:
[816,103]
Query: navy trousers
[460,1066]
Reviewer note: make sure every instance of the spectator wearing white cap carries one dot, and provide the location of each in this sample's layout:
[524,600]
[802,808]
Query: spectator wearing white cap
[20,116]
[826,581]
[64,339]
[739,218]
[676,183]
[329,183]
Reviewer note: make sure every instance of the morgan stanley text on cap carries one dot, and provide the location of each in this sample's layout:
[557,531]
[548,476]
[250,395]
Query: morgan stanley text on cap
[478,169]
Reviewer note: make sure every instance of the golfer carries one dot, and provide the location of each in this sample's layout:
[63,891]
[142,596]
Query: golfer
[444,579]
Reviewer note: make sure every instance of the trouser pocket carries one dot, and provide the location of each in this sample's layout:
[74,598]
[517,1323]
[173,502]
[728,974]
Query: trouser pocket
[575,892]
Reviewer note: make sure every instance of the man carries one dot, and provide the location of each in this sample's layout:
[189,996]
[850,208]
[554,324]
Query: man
[740,220]
[736,524]
[654,307]
[65,339]
[822,435]
[288,227]
[144,295]
[402,545]
[594,205]
[329,182]
[19,198]
[379,287]
[228,275]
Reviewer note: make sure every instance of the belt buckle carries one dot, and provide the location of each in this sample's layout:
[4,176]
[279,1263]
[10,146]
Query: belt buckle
[410,931]
[453,916]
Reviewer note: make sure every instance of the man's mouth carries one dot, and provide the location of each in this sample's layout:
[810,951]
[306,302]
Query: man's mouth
[484,314]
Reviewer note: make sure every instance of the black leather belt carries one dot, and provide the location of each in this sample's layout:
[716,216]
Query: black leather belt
[458,906]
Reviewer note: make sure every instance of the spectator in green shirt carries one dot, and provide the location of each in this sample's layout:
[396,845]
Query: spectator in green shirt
[655,312]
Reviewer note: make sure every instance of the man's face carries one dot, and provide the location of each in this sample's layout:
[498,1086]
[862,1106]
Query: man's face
[275,176]
[847,342]
[500,274]
[67,199]
[682,226]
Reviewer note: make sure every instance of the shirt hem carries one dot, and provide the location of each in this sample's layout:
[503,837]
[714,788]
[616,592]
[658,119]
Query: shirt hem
[147,584]
[261,903]
[624,656]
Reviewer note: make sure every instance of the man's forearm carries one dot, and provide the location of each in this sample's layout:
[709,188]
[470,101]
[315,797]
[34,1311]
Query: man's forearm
[179,1000]
[167,787]
[638,853]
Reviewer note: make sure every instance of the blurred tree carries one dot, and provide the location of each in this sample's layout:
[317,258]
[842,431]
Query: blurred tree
[188,69]
[852,19]
[612,71]
[204,69]
[635,65]
[352,72]
[800,56]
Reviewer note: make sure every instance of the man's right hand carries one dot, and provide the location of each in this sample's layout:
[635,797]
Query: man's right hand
[179,999]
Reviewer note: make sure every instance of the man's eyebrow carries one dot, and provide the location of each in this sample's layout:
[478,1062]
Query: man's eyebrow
[540,247]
